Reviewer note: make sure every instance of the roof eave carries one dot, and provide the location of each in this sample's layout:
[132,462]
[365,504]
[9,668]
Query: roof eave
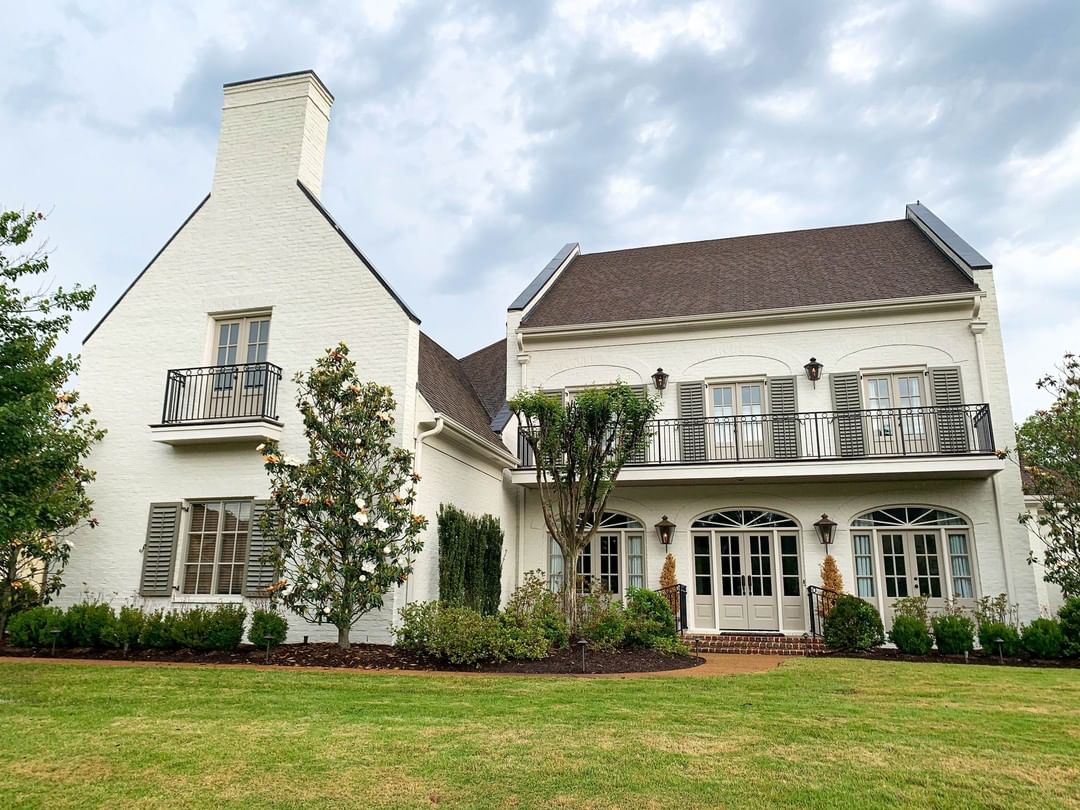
[489,448]
[544,278]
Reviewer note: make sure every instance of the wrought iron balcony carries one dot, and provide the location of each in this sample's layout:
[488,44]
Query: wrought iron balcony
[245,392]
[946,430]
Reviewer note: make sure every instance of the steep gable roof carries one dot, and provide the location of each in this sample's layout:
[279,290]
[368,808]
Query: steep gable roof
[486,370]
[848,264]
[444,384]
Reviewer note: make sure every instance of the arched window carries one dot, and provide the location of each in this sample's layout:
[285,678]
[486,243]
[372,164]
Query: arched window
[903,551]
[614,559]
[744,519]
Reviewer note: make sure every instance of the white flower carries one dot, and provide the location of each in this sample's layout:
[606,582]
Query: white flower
[360,517]
[290,461]
[382,525]
[360,503]
[383,416]
[358,441]
[261,447]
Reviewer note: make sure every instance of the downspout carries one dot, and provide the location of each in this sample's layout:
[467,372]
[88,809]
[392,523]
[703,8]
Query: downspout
[418,446]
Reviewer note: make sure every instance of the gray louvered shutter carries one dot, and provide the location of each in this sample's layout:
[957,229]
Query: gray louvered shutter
[259,573]
[692,421]
[850,434]
[952,427]
[640,456]
[783,406]
[162,531]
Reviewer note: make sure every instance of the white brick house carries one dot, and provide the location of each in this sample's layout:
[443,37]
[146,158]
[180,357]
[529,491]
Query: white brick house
[895,441]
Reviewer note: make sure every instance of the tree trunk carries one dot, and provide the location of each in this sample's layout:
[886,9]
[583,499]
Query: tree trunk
[570,592]
[343,637]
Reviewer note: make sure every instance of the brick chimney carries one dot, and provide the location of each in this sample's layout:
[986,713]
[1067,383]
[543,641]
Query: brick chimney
[273,133]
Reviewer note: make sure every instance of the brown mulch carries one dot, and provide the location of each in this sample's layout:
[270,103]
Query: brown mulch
[382,657]
[886,654]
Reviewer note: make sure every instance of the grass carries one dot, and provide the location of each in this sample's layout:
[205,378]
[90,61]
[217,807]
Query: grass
[820,733]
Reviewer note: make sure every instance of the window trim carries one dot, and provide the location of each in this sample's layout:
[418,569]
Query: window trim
[214,319]
[623,533]
[184,545]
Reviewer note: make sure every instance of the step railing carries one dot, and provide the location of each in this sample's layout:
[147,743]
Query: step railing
[820,603]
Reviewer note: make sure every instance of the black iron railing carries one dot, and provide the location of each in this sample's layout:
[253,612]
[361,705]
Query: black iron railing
[676,597]
[935,430]
[236,393]
[820,602]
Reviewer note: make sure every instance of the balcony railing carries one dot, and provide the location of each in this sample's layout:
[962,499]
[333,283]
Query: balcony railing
[213,394]
[945,430]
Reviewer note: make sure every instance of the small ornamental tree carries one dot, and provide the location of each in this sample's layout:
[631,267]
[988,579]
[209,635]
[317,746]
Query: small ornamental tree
[1048,445]
[579,448]
[341,522]
[45,432]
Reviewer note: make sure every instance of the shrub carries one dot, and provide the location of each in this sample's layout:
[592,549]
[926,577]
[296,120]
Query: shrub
[670,646]
[157,631]
[532,603]
[831,578]
[32,628]
[470,560]
[995,610]
[1010,639]
[853,625]
[217,628]
[126,629]
[464,637]
[912,607]
[88,624]
[604,626]
[267,622]
[1043,638]
[1069,617]
[910,636]
[648,617]
[954,634]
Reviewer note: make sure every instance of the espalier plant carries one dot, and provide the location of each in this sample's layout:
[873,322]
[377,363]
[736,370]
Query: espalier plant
[342,522]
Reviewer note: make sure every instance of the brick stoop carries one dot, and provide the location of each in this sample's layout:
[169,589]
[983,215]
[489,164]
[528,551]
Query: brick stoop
[754,643]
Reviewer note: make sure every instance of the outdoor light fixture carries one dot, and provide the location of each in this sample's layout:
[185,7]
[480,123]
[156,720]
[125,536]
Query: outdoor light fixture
[813,370]
[825,529]
[665,530]
[659,379]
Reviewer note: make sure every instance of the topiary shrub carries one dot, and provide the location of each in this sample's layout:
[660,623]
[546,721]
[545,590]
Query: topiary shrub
[158,631]
[88,624]
[32,628]
[604,625]
[533,604]
[1043,639]
[953,634]
[853,625]
[126,629]
[1010,639]
[267,623]
[910,636]
[648,617]
[217,628]
[1069,618]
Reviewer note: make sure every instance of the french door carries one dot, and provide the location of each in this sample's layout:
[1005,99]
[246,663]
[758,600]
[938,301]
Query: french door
[732,437]
[912,566]
[735,581]
[234,392]
[901,428]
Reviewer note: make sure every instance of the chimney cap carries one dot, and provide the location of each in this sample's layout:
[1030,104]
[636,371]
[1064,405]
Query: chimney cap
[308,72]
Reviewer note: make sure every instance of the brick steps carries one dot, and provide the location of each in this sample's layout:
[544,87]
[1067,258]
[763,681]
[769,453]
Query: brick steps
[754,644]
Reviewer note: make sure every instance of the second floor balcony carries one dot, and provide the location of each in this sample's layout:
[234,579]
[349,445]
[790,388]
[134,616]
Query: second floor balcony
[220,403]
[952,440]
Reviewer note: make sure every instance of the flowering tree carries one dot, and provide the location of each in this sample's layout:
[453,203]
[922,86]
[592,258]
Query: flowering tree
[45,432]
[341,522]
[579,449]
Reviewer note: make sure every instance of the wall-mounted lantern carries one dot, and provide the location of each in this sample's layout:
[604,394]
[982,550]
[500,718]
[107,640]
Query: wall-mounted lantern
[813,370]
[659,380]
[665,531]
[825,529]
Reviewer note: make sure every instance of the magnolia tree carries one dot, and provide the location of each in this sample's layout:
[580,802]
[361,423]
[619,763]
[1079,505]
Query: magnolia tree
[341,523]
[45,432]
[579,449]
[1048,444]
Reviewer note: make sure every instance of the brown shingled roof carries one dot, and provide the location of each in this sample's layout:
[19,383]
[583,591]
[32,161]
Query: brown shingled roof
[486,370]
[447,389]
[873,262]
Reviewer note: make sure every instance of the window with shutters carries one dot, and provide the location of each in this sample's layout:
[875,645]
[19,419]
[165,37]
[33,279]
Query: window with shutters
[217,547]
[737,425]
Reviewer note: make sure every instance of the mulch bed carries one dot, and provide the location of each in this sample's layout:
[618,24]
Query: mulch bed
[887,654]
[382,657]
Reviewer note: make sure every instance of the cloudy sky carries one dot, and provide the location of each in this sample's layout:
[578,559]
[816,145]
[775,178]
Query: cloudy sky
[469,141]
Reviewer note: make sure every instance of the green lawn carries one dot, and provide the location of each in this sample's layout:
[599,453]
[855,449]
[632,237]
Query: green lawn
[820,733]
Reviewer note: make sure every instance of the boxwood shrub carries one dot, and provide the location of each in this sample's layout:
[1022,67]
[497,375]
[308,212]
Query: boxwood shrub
[1043,639]
[1069,618]
[853,625]
[217,628]
[32,628]
[88,624]
[1010,639]
[910,635]
[954,635]
[648,618]
[267,623]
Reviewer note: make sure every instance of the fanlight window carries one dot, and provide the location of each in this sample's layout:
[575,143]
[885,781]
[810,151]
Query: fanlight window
[744,519]
[908,516]
[614,520]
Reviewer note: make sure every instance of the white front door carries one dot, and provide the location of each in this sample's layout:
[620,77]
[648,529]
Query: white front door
[746,589]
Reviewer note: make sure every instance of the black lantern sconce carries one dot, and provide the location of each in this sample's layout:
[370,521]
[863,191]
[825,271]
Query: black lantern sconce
[665,531]
[813,370]
[659,380]
[825,529]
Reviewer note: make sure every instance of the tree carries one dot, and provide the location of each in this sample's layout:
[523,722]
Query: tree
[831,578]
[1048,446]
[341,523]
[45,432]
[579,448]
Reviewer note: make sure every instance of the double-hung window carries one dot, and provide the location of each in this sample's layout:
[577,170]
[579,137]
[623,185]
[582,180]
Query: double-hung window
[217,547]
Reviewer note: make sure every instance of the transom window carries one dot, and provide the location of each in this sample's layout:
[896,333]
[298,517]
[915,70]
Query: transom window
[217,547]
[614,559]
[909,516]
[744,519]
